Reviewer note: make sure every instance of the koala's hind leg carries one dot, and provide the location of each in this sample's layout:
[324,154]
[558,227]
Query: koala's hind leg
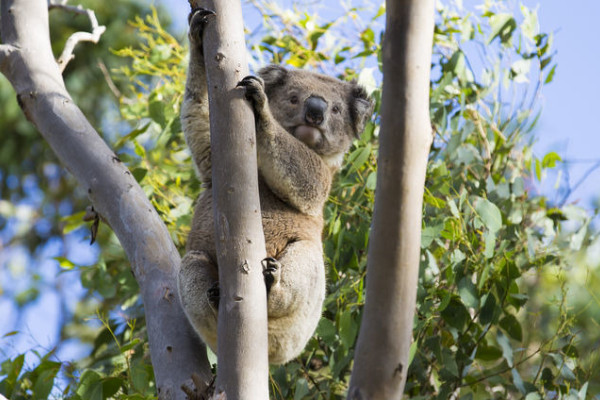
[296,280]
[194,110]
[295,298]
[196,283]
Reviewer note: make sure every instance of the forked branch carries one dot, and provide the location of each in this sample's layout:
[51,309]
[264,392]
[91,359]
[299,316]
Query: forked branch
[93,36]
[27,61]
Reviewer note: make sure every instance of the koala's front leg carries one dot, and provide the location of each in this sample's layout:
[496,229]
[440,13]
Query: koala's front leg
[255,93]
[194,110]
[295,173]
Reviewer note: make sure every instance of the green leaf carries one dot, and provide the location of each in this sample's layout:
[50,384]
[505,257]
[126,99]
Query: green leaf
[488,353]
[348,329]
[548,378]
[372,181]
[502,26]
[359,157]
[449,363]
[518,381]
[129,345]
[550,160]
[44,383]
[65,263]
[90,386]
[529,25]
[110,386]
[455,314]
[429,233]
[72,222]
[468,293]
[507,351]
[139,150]
[490,244]
[12,370]
[512,326]
[489,214]
[139,174]
[550,75]
[519,70]
[302,389]
[488,310]
[533,396]
[156,111]
[131,135]
[140,377]
[412,351]
[327,331]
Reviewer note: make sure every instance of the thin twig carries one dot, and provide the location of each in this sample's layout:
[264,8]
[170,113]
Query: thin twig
[111,84]
[579,183]
[97,31]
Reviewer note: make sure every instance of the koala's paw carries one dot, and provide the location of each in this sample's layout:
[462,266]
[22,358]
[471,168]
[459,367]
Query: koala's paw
[271,272]
[213,294]
[198,19]
[255,90]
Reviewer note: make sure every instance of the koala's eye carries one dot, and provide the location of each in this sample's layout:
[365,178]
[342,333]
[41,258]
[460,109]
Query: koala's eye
[335,109]
[294,99]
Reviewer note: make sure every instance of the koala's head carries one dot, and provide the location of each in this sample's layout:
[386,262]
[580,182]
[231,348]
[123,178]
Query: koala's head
[323,112]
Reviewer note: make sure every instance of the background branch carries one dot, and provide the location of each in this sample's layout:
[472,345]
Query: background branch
[175,350]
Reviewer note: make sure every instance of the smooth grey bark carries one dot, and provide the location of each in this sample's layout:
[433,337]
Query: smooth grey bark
[380,363]
[27,61]
[243,367]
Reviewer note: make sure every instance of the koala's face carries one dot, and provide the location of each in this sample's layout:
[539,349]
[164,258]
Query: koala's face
[323,112]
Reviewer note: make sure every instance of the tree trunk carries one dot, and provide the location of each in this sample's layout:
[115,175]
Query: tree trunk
[380,364]
[27,61]
[242,329]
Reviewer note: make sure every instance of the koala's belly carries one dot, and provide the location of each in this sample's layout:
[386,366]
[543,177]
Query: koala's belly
[282,224]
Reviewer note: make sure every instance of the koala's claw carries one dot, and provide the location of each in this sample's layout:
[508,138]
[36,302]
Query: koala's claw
[197,20]
[214,294]
[255,89]
[271,272]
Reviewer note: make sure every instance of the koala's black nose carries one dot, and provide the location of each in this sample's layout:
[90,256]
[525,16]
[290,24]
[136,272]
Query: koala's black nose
[315,110]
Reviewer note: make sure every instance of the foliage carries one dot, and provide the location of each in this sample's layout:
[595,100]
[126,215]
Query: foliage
[493,318]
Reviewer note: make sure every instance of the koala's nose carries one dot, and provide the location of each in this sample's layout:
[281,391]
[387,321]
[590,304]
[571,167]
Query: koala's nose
[315,110]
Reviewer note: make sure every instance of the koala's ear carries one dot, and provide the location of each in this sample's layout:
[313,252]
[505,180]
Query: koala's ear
[273,75]
[361,109]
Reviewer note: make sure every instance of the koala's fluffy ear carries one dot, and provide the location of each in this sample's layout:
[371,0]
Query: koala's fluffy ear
[361,108]
[273,75]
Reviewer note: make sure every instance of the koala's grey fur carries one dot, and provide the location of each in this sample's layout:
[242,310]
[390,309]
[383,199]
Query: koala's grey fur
[305,123]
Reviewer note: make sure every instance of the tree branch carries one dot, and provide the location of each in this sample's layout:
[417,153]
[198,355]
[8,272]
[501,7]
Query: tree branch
[97,31]
[242,324]
[381,356]
[35,76]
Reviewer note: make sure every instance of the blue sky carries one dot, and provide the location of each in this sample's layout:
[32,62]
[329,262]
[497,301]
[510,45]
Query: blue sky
[568,124]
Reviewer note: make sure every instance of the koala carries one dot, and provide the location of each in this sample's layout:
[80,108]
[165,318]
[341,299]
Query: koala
[305,123]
